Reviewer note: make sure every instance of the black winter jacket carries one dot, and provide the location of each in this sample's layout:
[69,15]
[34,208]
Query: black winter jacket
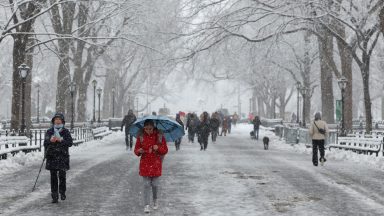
[57,153]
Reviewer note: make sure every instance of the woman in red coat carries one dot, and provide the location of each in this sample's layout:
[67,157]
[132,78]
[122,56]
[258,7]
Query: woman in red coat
[151,147]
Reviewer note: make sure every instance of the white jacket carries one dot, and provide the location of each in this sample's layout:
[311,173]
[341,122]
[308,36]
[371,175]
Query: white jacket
[314,132]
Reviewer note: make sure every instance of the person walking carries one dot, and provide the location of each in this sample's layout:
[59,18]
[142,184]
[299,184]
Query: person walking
[191,126]
[204,129]
[256,126]
[128,120]
[229,124]
[151,147]
[57,141]
[214,124]
[318,132]
[178,141]
[235,118]
[224,126]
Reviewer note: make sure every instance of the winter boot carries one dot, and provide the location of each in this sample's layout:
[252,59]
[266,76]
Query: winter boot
[55,197]
[62,196]
[147,209]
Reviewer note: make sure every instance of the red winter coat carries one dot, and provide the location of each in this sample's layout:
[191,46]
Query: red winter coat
[151,161]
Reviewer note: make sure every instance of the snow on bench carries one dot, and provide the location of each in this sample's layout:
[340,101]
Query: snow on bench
[361,145]
[99,133]
[14,144]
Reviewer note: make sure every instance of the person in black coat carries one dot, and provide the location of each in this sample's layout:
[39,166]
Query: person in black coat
[178,141]
[214,124]
[256,126]
[204,128]
[191,126]
[57,141]
[127,122]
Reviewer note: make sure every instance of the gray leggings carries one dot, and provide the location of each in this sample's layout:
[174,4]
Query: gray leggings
[150,182]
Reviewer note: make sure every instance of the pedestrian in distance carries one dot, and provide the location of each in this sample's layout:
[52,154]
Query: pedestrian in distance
[235,118]
[229,124]
[318,132]
[178,141]
[204,129]
[128,121]
[224,126]
[151,147]
[191,126]
[256,126]
[57,141]
[214,124]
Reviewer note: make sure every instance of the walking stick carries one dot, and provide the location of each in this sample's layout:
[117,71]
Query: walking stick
[34,186]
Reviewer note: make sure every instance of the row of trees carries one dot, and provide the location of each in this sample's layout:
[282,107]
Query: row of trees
[118,43]
[133,47]
[315,42]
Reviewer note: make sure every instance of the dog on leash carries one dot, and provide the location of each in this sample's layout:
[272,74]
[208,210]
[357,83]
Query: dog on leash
[266,142]
[252,134]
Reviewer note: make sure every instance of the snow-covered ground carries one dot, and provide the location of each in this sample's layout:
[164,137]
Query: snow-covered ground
[235,176]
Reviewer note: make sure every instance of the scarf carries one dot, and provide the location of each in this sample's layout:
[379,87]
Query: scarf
[57,129]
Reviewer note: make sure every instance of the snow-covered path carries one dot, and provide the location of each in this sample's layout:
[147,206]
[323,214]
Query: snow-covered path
[235,176]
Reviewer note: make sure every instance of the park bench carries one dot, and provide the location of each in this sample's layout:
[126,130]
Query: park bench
[99,133]
[359,145]
[14,144]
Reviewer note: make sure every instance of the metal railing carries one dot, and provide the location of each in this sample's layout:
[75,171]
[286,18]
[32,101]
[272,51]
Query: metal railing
[11,141]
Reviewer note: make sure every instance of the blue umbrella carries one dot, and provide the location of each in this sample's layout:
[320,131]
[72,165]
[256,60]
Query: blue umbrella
[170,128]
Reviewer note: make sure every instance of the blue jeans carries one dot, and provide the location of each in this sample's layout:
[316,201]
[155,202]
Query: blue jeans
[256,133]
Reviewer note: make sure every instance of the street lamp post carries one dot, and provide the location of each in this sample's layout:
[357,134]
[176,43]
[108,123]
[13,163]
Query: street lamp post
[342,84]
[99,90]
[94,83]
[23,72]
[304,91]
[298,87]
[72,86]
[38,103]
[113,102]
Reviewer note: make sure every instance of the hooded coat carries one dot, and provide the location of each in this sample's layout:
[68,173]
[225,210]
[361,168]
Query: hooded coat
[57,153]
[151,161]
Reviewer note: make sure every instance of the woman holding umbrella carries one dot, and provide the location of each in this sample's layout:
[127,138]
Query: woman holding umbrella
[150,147]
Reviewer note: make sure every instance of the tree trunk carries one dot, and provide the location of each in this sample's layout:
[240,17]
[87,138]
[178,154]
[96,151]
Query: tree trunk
[346,67]
[306,77]
[326,48]
[367,97]
[62,23]
[108,95]
[81,103]
[381,17]
[18,59]
[260,107]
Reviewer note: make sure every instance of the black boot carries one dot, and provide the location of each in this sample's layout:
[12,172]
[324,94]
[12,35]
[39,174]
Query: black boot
[55,197]
[62,196]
